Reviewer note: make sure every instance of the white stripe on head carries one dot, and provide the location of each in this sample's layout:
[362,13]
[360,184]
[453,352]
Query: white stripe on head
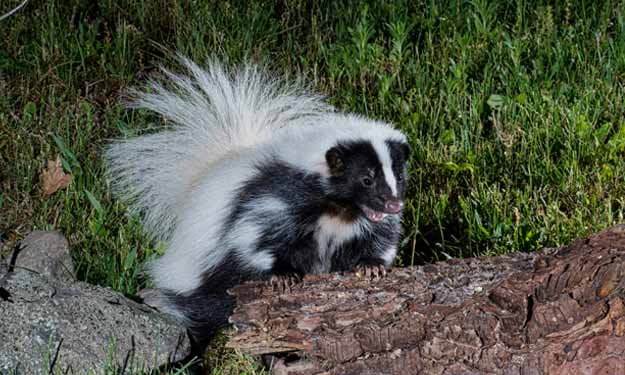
[384,154]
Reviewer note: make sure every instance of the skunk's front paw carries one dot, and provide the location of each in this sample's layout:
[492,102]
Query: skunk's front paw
[283,283]
[370,271]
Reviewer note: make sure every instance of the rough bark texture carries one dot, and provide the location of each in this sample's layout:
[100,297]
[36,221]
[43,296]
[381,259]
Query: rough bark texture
[557,311]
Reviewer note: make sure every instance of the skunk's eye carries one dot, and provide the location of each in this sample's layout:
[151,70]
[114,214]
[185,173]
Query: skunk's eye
[367,181]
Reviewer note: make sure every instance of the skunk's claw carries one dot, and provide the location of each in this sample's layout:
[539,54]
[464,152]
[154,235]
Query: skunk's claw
[284,283]
[371,272]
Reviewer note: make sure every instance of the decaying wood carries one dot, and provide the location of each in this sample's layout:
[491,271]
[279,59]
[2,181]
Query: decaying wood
[558,311]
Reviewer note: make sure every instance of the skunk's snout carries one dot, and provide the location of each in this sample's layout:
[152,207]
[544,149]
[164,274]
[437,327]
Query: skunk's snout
[393,206]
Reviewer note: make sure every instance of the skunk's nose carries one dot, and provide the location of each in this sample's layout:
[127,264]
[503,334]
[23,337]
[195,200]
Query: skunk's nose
[393,206]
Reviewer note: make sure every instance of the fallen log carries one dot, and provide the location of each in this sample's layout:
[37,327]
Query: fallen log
[556,311]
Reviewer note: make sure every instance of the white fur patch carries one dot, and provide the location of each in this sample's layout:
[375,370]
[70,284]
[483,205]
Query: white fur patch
[260,260]
[262,206]
[384,154]
[195,245]
[155,298]
[243,238]
[389,255]
[245,235]
[331,232]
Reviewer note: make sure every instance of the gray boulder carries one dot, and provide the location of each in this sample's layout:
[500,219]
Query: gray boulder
[47,253]
[78,328]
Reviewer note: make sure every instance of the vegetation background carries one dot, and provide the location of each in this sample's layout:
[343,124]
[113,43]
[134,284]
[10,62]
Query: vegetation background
[515,111]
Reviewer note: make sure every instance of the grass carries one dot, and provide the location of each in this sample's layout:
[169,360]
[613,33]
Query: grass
[515,110]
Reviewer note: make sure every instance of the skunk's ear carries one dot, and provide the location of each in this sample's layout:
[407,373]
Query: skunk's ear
[399,150]
[334,158]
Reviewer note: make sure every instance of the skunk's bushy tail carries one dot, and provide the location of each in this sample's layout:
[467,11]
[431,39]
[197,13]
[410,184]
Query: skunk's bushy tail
[212,112]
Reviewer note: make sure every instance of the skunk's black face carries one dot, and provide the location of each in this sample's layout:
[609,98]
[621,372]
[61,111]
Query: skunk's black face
[370,176]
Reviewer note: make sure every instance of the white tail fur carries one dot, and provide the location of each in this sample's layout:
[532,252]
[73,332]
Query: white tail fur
[214,112]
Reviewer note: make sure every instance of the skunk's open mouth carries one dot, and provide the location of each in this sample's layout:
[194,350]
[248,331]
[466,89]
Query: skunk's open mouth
[373,215]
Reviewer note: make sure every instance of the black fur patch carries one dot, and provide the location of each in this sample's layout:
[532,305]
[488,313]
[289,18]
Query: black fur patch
[208,307]
[289,239]
[400,152]
[368,249]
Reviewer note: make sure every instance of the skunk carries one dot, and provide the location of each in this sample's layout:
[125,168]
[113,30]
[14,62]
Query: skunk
[254,178]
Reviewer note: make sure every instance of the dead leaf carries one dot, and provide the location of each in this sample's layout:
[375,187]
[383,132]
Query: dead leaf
[54,178]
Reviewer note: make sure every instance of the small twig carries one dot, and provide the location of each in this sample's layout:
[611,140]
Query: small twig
[56,357]
[16,250]
[11,12]
[129,355]
[4,294]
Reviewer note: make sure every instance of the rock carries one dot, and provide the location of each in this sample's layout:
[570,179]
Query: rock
[75,326]
[47,253]
[84,323]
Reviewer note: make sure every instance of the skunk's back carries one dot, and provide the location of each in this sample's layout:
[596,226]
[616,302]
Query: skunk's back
[212,113]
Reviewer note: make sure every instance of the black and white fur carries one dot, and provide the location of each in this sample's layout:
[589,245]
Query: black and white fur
[255,178]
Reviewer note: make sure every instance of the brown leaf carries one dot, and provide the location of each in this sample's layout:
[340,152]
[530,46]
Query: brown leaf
[54,178]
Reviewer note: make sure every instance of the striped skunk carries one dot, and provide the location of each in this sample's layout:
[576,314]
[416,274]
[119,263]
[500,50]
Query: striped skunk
[254,178]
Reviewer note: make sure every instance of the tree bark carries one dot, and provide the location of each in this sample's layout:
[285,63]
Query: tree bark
[557,311]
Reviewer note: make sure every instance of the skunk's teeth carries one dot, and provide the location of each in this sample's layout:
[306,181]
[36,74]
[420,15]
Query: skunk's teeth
[373,215]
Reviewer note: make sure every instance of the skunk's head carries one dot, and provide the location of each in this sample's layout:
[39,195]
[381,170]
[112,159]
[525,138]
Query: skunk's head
[369,175]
